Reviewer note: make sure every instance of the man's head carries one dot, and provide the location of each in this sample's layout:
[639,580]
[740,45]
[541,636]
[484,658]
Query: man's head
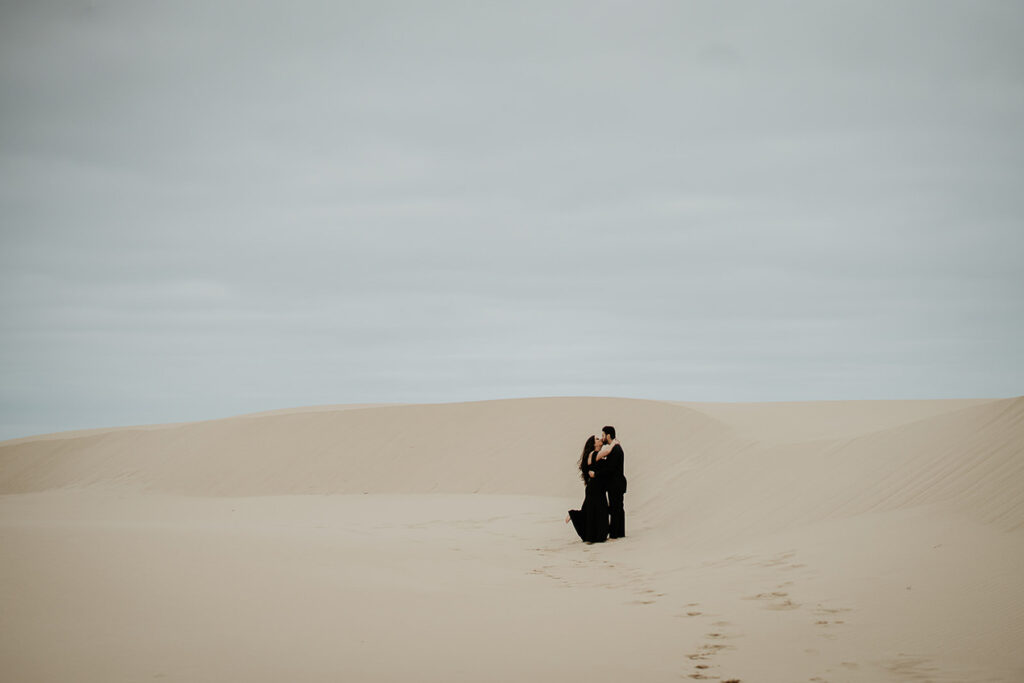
[608,433]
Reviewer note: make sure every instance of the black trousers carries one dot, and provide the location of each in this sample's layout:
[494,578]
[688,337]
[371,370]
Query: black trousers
[617,528]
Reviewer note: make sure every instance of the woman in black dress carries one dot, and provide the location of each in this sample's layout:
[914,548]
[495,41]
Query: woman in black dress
[591,520]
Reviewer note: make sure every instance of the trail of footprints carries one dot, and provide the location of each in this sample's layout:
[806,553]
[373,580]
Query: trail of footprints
[702,660]
[778,599]
[830,621]
[633,580]
[718,636]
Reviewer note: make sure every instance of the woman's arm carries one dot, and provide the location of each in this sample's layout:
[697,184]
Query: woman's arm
[603,453]
[591,464]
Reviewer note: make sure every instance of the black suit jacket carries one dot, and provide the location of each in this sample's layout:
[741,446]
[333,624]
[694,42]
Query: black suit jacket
[614,477]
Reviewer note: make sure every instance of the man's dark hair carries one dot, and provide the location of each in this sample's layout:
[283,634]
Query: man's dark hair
[610,431]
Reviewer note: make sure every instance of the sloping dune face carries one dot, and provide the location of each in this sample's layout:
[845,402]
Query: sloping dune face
[962,456]
[855,541]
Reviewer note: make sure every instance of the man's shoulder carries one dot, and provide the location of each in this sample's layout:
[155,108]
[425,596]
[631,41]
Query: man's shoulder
[617,447]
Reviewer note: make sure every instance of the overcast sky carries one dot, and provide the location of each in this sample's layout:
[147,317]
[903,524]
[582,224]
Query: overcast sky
[211,208]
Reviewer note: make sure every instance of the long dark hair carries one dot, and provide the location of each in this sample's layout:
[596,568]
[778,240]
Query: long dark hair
[587,448]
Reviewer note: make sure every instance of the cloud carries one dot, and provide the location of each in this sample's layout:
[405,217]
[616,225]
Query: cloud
[215,209]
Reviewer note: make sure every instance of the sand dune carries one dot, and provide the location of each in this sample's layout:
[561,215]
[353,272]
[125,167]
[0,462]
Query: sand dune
[832,541]
[513,446]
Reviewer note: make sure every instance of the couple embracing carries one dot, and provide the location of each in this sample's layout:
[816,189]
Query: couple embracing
[601,516]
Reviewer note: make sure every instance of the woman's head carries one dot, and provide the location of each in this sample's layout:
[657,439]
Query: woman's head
[587,448]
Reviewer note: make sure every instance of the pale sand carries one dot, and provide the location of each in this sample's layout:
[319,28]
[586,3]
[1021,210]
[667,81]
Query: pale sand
[834,541]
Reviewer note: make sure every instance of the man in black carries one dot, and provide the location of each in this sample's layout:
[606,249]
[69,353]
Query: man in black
[615,482]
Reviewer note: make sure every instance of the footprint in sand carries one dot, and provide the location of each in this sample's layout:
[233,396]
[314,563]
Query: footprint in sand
[780,559]
[702,676]
[911,667]
[725,561]
[786,604]
[691,612]
[649,596]
[776,600]
[720,636]
[706,650]
[826,623]
[832,610]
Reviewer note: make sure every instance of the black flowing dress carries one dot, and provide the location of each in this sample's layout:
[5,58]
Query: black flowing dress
[591,520]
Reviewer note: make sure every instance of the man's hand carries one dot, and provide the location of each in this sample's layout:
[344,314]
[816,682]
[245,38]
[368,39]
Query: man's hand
[592,475]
